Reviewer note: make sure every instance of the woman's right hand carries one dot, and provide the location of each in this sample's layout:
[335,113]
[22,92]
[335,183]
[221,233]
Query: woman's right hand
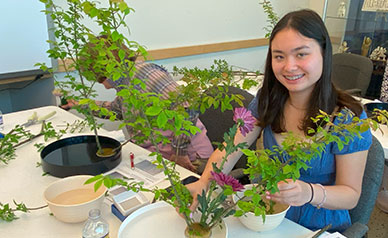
[196,189]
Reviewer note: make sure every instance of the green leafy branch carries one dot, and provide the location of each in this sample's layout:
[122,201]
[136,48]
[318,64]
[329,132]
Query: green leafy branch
[149,114]
[7,144]
[92,56]
[206,88]
[214,207]
[272,168]
[272,17]
[147,111]
[7,213]
[19,135]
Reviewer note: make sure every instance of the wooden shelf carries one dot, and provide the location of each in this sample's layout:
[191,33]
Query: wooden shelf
[193,50]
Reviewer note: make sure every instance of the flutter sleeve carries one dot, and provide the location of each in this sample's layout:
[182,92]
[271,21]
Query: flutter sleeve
[253,107]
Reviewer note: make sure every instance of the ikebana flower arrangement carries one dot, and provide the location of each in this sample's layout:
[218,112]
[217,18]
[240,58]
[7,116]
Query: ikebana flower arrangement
[268,168]
[263,164]
[78,48]
[212,206]
[152,112]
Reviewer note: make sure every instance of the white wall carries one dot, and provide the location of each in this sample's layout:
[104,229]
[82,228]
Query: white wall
[185,23]
[166,24]
[23,36]
[247,22]
[317,5]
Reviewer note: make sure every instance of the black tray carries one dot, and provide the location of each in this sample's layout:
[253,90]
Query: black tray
[77,155]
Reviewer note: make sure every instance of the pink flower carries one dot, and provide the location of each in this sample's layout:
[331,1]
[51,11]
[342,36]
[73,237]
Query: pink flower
[223,179]
[245,119]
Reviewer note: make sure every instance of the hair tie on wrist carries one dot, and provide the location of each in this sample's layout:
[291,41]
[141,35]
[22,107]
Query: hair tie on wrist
[312,192]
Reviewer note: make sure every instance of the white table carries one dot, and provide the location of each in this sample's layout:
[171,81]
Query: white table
[381,135]
[23,181]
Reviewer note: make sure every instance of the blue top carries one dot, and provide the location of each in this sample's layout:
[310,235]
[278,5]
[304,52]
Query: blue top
[322,170]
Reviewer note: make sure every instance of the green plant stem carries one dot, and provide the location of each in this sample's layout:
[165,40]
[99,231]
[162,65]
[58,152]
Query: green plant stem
[29,139]
[8,214]
[187,218]
[37,208]
[33,137]
[204,214]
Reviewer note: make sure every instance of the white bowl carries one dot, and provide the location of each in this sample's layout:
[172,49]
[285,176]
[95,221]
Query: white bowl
[255,223]
[70,200]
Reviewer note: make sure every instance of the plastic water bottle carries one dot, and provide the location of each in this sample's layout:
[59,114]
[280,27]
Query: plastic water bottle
[1,121]
[95,226]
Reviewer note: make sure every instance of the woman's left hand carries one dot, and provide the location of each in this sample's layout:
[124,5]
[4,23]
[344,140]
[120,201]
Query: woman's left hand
[292,193]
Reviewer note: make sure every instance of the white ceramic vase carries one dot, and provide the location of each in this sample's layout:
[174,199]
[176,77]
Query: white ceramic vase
[256,223]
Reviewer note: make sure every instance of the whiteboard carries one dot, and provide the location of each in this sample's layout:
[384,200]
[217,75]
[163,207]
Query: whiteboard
[23,36]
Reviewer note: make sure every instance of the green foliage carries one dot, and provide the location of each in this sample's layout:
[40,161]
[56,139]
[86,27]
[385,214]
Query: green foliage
[20,135]
[206,88]
[7,213]
[148,113]
[12,138]
[93,57]
[273,18]
[271,167]
[178,195]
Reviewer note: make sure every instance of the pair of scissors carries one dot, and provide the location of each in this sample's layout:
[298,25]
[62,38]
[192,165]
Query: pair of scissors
[34,119]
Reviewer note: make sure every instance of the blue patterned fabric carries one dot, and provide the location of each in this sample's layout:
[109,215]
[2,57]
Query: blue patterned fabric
[322,170]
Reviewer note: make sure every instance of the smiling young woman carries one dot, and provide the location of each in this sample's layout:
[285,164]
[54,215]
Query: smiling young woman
[297,85]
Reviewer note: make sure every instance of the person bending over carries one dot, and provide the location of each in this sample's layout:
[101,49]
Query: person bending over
[198,147]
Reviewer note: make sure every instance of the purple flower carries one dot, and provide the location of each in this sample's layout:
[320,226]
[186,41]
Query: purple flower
[245,119]
[223,179]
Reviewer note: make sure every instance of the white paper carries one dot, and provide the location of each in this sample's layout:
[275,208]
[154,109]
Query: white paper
[328,235]
[144,171]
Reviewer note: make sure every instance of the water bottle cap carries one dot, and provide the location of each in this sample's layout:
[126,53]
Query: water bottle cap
[94,213]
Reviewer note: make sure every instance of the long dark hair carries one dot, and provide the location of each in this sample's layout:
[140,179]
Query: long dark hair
[325,96]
